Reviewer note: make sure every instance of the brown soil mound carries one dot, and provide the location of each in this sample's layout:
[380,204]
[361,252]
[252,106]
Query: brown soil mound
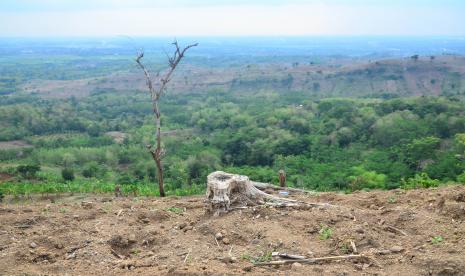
[420,232]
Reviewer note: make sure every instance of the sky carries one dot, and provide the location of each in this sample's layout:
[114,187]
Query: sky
[55,18]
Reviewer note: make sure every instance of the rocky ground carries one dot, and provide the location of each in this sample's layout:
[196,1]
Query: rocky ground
[419,232]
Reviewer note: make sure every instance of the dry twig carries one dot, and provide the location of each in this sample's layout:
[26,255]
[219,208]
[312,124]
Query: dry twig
[311,260]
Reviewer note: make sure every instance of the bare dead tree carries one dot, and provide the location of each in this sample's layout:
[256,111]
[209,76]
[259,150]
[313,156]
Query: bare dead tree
[157,87]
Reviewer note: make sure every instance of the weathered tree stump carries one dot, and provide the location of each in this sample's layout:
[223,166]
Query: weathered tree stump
[227,191]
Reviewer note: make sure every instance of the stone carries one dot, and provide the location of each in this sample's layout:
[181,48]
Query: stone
[384,252]
[228,260]
[226,241]
[132,238]
[296,266]
[187,228]
[32,245]
[70,256]
[219,236]
[397,249]
[247,268]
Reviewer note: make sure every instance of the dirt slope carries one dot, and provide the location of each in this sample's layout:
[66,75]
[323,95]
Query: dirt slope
[173,236]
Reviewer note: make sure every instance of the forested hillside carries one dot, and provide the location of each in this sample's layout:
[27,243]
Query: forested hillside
[327,144]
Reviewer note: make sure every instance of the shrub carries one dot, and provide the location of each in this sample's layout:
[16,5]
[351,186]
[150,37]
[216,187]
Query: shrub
[67,174]
[90,170]
[27,170]
[325,232]
[461,178]
[125,179]
[419,181]
[363,179]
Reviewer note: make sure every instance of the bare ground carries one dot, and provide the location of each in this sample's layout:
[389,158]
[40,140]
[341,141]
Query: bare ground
[82,235]
[15,144]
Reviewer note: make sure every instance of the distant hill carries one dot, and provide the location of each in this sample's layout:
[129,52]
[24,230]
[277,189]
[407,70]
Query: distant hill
[344,77]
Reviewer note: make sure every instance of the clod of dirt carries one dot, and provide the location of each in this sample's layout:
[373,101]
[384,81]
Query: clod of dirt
[455,210]
[226,241]
[153,216]
[87,204]
[121,245]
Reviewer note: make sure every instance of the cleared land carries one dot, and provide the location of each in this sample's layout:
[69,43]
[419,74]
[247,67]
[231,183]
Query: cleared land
[417,232]
[339,78]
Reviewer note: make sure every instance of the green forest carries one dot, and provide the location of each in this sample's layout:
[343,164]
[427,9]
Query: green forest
[334,144]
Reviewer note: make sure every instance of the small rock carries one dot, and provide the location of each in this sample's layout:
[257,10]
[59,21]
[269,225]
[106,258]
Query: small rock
[397,249]
[296,266]
[189,227]
[132,238]
[32,245]
[228,260]
[219,236]
[225,240]
[182,225]
[247,268]
[384,252]
[70,256]
[255,241]
[359,230]
[145,220]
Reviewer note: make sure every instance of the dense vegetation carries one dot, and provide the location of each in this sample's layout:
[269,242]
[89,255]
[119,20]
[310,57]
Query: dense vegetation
[329,144]
[374,136]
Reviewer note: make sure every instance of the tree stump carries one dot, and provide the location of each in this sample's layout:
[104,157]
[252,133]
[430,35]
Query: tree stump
[227,191]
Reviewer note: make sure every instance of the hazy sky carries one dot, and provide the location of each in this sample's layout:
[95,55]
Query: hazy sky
[231,17]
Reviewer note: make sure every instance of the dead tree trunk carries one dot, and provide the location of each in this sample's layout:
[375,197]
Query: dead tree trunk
[155,93]
[282,178]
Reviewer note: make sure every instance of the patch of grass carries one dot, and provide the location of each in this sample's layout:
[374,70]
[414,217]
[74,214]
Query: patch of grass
[392,199]
[63,210]
[246,256]
[265,257]
[175,210]
[135,251]
[344,249]
[437,239]
[325,232]
[88,186]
